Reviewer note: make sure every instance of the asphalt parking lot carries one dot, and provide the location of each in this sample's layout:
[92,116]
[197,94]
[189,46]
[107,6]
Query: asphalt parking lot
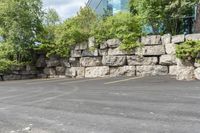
[104,105]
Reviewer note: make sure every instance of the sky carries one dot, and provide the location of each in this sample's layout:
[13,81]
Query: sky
[65,8]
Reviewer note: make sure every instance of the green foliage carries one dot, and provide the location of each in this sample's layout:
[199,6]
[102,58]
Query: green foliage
[188,50]
[123,26]
[20,24]
[74,30]
[164,16]
[6,65]
[51,18]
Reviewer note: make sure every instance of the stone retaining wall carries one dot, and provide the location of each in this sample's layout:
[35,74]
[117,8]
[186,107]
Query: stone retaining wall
[157,57]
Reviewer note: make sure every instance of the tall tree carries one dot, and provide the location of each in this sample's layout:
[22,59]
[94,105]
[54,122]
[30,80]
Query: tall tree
[20,24]
[164,16]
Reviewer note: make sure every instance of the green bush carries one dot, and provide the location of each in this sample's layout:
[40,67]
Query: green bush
[72,31]
[6,65]
[188,50]
[123,26]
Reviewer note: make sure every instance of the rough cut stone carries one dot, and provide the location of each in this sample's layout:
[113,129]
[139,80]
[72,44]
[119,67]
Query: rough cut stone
[75,53]
[94,72]
[90,53]
[12,77]
[197,65]
[49,71]
[166,39]
[137,60]
[151,70]
[118,51]
[170,48]
[68,72]
[151,40]
[74,62]
[90,61]
[60,70]
[41,63]
[42,75]
[104,45]
[81,46]
[185,70]
[122,71]
[103,52]
[167,60]
[151,50]
[185,73]
[113,43]
[91,42]
[194,37]
[178,39]
[197,73]
[172,70]
[77,72]
[65,63]
[114,60]
[181,63]
[53,62]
[28,76]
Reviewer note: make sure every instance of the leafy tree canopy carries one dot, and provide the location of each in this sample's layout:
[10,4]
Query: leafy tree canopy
[20,24]
[164,16]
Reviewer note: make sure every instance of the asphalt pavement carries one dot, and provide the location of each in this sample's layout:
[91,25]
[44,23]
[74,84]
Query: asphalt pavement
[103,105]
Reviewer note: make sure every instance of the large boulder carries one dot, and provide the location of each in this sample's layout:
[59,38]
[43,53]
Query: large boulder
[151,40]
[114,60]
[197,64]
[151,70]
[81,46]
[91,42]
[94,72]
[137,60]
[60,70]
[170,48]
[113,43]
[185,73]
[151,50]
[41,63]
[12,77]
[166,39]
[76,53]
[167,60]
[49,71]
[103,45]
[65,63]
[178,39]
[90,61]
[74,62]
[53,62]
[185,70]
[122,71]
[172,70]
[103,52]
[76,72]
[197,73]
[194,37]
[89,53]
[118,51]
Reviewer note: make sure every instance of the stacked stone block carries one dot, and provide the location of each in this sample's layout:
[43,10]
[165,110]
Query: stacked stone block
[156,57]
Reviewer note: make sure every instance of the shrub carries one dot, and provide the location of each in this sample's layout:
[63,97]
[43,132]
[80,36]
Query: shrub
[6,65]
[72,31]
[123,26]
[188,50]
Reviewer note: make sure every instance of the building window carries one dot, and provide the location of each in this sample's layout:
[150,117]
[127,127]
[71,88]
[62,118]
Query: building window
[115,6]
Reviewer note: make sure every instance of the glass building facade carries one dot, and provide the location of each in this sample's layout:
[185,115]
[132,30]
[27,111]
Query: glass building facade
[113,6]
